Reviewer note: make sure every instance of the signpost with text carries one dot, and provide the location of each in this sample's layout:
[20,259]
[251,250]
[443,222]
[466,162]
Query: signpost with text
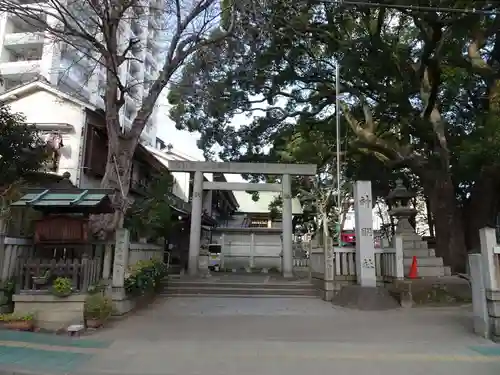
[365,250]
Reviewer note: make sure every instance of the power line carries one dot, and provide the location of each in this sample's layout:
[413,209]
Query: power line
[419,8]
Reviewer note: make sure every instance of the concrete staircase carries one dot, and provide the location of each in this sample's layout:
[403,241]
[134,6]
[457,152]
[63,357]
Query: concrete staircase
[428,264]
[183,287]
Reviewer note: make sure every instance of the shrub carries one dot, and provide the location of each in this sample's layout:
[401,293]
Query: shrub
[145,276]
[97,307]
[16,317]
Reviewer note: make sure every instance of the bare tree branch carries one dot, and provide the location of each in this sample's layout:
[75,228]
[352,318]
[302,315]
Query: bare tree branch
[96,29]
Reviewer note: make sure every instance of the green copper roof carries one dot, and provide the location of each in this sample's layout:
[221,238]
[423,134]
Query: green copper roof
[67,200]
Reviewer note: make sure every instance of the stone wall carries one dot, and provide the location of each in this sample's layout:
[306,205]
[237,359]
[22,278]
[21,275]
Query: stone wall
[52,313]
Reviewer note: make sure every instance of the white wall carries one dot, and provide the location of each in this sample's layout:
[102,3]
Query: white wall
[43,107]
[239,250]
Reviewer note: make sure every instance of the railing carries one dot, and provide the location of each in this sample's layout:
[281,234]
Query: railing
[144,251]
[11,248]
[388,262]
[300,262]
[82,273]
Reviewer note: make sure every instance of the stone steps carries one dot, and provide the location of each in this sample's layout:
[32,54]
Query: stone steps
[184,288]
[409,253]
[414,244]
[234,295]
[430,271]
[428,264]
[424,261]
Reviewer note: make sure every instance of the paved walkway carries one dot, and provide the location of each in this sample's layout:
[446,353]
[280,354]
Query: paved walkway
[214,336]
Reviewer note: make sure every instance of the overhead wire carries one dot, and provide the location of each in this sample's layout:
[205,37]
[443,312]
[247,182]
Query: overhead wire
[420,8]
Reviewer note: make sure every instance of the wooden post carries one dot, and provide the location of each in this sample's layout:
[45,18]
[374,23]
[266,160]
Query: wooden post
[252,251]
[85,273]
[222,251]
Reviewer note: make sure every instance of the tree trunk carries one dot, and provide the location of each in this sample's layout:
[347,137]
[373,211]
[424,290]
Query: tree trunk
[117,177]
[450,238]
[482,208]
[430,221]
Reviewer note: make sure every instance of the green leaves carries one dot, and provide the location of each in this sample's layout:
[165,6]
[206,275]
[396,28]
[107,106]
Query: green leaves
[280,71]
[21,148]
[151,215]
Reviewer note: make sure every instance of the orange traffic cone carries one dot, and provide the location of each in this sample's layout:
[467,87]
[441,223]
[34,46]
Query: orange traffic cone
[413,270]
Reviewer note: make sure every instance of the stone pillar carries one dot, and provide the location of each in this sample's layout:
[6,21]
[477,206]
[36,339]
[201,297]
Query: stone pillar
[363,218]
[481,323]
[488,241]
[6,251]
[106,267]
[207,202]
[252,251]
[329,271]
[195,233]
[120,261]
[287,227]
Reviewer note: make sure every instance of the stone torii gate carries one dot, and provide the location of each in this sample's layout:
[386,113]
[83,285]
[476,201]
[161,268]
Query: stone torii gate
[286,170]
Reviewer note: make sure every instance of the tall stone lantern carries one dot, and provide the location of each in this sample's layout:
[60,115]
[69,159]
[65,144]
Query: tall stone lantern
[399,208]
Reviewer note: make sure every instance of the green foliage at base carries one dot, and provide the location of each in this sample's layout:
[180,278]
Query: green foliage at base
[16,317]
[98,307]
[145,277]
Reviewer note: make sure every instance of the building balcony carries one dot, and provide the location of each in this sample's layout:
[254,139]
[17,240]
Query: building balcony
[25,69]
[23,40]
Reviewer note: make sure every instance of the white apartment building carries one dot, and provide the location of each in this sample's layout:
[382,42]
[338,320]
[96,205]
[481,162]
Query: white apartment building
[28,53]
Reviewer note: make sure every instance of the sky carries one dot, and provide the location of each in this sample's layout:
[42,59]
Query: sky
[181,139]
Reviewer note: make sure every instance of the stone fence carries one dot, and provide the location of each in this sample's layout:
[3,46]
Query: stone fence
[14,248]
[10,249]
[485,280]
[342,268]
[83,273]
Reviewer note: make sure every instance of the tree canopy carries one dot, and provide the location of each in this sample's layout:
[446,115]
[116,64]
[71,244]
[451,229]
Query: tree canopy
[21,148]
[420,94]
[150,216]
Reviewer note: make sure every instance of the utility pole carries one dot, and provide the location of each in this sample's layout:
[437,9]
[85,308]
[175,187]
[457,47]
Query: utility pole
[337,128]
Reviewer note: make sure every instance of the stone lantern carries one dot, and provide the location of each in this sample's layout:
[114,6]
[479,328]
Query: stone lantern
[399,207]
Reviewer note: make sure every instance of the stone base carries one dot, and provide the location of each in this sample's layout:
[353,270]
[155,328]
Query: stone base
[493,305]
[123,304]
[436,291]
[51,312]
[327,295]
[365,298]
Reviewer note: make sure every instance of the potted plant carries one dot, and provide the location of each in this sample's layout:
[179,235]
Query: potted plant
[62,287]
[41,280]
[97,309]
[7,289]
[19,322]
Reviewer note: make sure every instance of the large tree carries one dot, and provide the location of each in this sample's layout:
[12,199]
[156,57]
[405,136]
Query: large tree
[21,151]
[95,29]
[420,90]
